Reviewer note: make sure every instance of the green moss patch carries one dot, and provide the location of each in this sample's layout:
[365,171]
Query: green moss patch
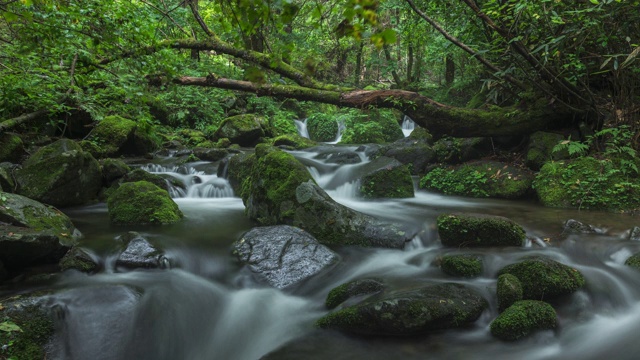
[522,319]
[340,294]
[466,265]
[142,203]
[467,230]
[509,290]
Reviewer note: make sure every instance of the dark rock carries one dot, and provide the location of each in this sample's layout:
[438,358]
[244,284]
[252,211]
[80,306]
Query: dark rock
[509,290]
[476,230]
[11,148]
[464,265]
[113,169]
[119,136]
[139,253]
[575,227]
[6,179]
[28,327]
[356,288]
[142,203]
[543,278]
[633,261]
[339,157]
[283,256]
[239,170]
[417,154]
[409,312]
[634,234]
[78,259]
[386,178]
[522,319]
[213,154]
[31,232]
[540,149]
[459,150]
[60,174]
[141,175]
[244,130]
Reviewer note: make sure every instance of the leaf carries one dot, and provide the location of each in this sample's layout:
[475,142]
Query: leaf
[594,2]
[8,326]
[631,57]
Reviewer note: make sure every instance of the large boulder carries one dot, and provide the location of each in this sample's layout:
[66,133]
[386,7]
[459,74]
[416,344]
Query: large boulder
[356,288]
[409,312]
[11,148]
[117,136]
[293,141]
[543,278]
[244,130]
[477,230]
[522,319]
[417,154]
[239,168]
[31,232]
[386,178]
[113,169]
[283,256]
[281,191]
[60,174]
[540,149]
[142,202]
[27,329]
[480,179]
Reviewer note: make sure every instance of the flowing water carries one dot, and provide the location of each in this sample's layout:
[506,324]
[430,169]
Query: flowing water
[407,125]
[205,306]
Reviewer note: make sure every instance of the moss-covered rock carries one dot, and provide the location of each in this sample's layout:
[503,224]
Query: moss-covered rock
[344,292]
[239,170]
[587,183]
[386,178]
[409,312]
[210,154]
[142,203]
[480,179]
[322,127]
[78,259]
[522,319]
[543,278]
[60,174]
[244,130]
[378,126]
[473,230]
[509,290]
[293,141]
[31,232]
[633,261]
[457,150]
[540,149]
[113,169]
[27,328]
[464,265]
[136,175]
[6,179]
[416,154]
[11,148]
[116,136]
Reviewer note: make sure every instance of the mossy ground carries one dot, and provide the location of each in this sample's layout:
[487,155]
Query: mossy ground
[142,203]
[522,319]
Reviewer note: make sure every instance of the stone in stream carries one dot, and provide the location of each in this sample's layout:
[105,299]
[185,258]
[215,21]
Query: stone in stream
[283,256]
[32,233]
[463,265]
[244,130]
[543,278]
[416,153]
[386,178]
[522,319]
[142,203]
[634,234]
[60,174]
[27,329]
[356,288]
[409,312]
[79,259]
[575,227]
[119,136]
[477,230]
[280,190]
[509,290]
[139,253]
[633,261]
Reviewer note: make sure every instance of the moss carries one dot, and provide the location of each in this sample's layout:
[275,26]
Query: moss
[293,141]
[480,179]
[468,266]
[113,169]
[322,127]
[540,149]
[587,183]
[340,294]
[459,230]
[36,329]
[633,261]
[141,175]
[142,203]
[192,137]
[78,259]
[111,133]
[239,174]
[509,290]
[244,130]
[389,182]
[522,319]
[11,148]
[543,278]
[345,317]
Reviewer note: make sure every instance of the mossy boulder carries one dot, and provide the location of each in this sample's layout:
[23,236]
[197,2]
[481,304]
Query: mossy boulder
[480,179]
[142,203]
[31,232]
[60,174]
[458,150]
[416,154]
[11,148]
[509,290]
[79,259]
[280,191]
[385,178]
[210,154]
[136,175]
[587,183]
[116,135]
[244,130]
[540,149]
[239,168]
[322,127]
[477,230]
[463,265]
[27,327]
[522,319]
[409,312]
[356,288]
[283,256]
[633,261]
[6,178]
[544,279]
[293,141]
[113,169]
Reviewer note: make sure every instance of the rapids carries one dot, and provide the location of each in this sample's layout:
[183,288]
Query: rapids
[207,307]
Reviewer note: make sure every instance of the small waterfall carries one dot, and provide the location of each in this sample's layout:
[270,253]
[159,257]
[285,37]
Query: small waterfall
[301,125]
[341,128]
[407,125]
[187,182]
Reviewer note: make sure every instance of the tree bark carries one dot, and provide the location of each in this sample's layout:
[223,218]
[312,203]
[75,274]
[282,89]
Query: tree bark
[439,119]
[11,123]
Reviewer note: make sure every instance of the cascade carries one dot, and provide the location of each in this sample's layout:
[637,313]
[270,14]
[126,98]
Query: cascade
[187,182]
[407,125]
[301,126]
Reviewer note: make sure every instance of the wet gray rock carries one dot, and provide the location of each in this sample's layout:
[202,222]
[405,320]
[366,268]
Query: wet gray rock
[339,157]
[416,153]
[210,154]
[634,234]
[575,227]
[385,178]
[409,312]
[79,259]
[60,174]
[283,256]
[32,233]
[356,288]
[139,253]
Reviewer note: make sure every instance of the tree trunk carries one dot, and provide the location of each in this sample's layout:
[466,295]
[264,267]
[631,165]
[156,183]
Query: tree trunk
[450,69]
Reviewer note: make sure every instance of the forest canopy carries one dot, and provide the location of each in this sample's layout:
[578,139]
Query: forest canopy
[467,68]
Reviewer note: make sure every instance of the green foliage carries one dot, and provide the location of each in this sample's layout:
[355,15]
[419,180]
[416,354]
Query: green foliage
[377,126]
[322,127]
[444,180]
